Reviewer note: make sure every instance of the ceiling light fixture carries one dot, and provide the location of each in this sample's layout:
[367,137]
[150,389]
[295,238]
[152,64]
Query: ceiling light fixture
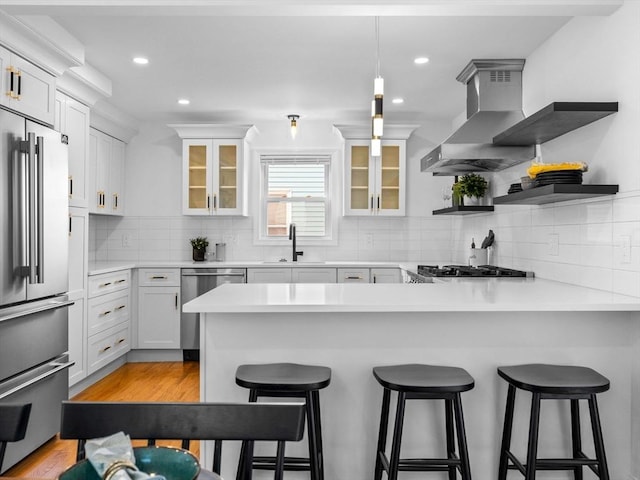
[294,124]
[421,60]
[376,105]
[141,60]
[397,100]
[184,101]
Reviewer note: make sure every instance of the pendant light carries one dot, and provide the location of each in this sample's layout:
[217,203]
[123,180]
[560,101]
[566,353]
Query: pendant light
[376,104]
[294,124]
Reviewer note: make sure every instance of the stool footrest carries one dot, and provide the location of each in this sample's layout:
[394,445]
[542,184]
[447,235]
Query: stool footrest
[422,464]
[290,463]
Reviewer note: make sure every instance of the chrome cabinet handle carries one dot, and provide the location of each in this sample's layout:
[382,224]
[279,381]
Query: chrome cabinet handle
[41,179]
[354,278]
[108,347]
[159,277]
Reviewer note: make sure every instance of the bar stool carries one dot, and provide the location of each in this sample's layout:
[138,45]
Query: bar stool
[423,382]
[554,382]
[286,380]
[14,419]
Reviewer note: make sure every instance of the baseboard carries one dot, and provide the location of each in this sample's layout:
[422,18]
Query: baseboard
[136,356]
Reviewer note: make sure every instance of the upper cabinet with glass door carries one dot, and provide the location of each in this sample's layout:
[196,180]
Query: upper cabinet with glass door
[375,185]
[213,174]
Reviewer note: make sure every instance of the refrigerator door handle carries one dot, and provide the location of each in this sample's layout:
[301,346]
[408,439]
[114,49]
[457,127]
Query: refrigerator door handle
[40,213]
[57,367]
[28,147]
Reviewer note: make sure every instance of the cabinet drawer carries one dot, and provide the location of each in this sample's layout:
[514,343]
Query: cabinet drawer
[107,346]
[107,311]
[148,277]
[353,275]
[109,282]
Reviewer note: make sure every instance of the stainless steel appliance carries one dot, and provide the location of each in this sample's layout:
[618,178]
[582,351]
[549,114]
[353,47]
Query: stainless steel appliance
[195,282]
[481,271]
[33,276]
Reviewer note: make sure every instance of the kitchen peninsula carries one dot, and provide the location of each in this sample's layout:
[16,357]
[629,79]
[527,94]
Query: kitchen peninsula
[475,325]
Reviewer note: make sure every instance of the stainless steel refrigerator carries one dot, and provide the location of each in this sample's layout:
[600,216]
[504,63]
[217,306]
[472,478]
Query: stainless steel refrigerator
[34,223]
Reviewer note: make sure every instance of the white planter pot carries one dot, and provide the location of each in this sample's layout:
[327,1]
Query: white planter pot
[473,201]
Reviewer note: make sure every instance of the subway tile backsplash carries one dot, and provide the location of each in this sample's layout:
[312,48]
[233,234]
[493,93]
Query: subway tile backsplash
[593,243]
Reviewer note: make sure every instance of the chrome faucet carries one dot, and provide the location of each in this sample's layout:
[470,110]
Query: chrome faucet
[292,236]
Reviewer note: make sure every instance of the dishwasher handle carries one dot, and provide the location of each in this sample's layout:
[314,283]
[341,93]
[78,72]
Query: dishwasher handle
[213,274]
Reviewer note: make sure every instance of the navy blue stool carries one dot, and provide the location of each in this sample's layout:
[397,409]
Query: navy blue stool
[286,380]
[555,382]
[423,382]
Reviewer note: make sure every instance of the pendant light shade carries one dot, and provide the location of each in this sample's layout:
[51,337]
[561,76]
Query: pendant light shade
[376,147]
[294,124]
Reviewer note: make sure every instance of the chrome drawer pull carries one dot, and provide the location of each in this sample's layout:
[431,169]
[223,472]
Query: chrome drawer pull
[120,307]
[105,349]
[106,313]
[354,278]
[105,284]
[120,341]
[120,281]
[159,277]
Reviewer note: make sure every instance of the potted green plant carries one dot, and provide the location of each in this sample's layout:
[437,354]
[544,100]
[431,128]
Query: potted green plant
[199,245]
[473,187]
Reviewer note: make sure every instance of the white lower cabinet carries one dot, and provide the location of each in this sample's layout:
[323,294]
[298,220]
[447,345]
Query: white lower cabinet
[353,275]
[108,345]
[313,275]
[77,340]
[108,318]
[158,308]
[269,275]
[386,275]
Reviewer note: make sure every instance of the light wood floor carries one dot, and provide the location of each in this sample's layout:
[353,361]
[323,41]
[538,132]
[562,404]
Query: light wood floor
[154,382]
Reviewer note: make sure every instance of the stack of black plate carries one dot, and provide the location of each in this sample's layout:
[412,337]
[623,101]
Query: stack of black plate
[515,187]
[559,176]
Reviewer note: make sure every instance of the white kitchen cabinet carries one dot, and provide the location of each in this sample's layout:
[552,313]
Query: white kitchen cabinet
[26,88]
[108,318]
[72,120]
[78,261]
[158,322]
[375,185]
[106,173]
[213,174]
[353,275]
[313,275]
[269,275]
[386,275]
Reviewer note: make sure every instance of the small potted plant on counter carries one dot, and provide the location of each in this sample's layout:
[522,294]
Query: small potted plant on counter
[199,245]
[473,187]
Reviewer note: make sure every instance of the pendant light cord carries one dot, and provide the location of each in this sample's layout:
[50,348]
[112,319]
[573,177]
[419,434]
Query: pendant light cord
[377,46]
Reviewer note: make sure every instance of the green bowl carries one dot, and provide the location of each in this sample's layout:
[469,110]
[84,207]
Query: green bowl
[172,463]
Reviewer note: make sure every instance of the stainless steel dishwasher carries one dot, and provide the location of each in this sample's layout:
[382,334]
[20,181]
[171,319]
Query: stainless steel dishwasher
[195,282]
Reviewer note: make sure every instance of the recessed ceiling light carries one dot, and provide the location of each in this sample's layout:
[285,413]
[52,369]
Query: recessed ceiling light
[184,101]
[421,60]
[397,100]
[141,60]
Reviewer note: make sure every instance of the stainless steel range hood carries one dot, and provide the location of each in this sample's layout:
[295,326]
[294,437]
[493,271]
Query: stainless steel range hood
[494,103]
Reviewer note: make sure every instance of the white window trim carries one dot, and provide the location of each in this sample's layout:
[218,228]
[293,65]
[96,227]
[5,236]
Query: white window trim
[333,195]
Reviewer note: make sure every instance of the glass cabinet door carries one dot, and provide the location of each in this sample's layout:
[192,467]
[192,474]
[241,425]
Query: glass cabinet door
[228,176]
[390,178]
[360,170]
[197,164]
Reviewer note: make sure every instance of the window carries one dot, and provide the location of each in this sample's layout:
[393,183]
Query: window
[295,189]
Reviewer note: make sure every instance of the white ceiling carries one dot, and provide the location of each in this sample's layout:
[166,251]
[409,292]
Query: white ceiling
[243,68]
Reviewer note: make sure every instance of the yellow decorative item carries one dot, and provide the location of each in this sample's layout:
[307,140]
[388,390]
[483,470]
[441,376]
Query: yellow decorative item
[537,168]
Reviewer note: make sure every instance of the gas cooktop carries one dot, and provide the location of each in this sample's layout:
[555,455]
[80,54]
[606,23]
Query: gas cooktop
[468,271]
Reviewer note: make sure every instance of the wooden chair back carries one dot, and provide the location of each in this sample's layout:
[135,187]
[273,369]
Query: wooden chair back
[14,418]
[151,421]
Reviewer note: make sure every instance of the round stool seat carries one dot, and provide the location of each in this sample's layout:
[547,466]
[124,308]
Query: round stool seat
[423,378]
[554,379]
[283,377]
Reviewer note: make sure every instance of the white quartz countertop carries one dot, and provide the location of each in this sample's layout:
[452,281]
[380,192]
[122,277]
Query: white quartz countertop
[452,296]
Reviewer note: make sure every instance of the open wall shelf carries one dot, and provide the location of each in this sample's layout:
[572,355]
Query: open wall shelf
[463,210]
[557,192]
[553,121]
